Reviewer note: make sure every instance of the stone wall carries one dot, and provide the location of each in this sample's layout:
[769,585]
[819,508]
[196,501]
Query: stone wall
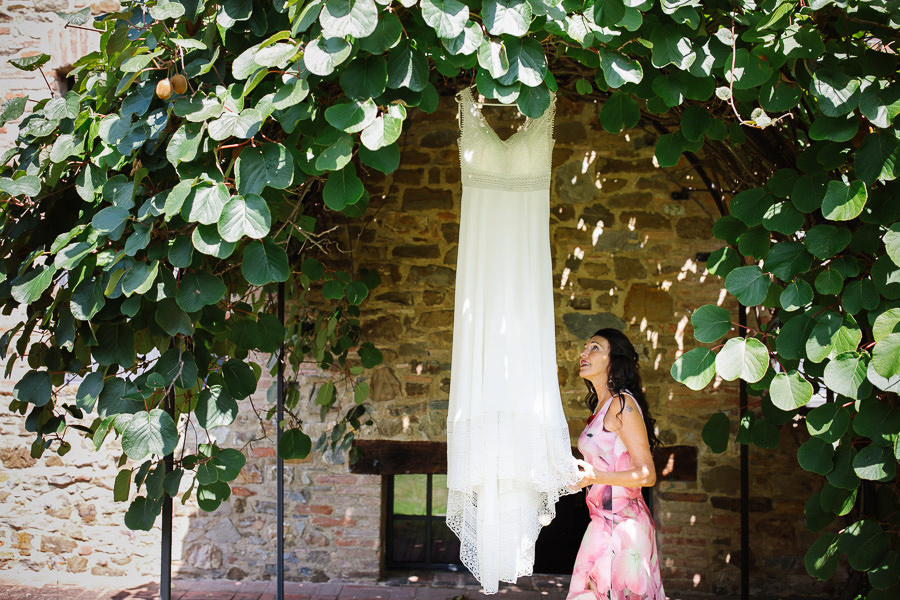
[625,254]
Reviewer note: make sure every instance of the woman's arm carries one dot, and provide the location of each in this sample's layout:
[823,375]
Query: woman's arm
[633,433]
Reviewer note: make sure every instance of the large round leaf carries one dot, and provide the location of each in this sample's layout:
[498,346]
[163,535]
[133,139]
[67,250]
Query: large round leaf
[407,67]
[886,276]
[746,358]
[206,240]
[817,518]
[142,513]
[342,188]
[824,241]
[695,368]
[115,345]
[215,408]
[716,431]
[321,56]
[527,62]
[842,475]
[783,218]
[211,495]
[34,387]
[151,432]
[364,78]
[448,17]
[748,284]
[828,422]
[265,262]
[294,444]
[878,157]
[875,463]
[342,18]
[751,205]
[511,17]
[844,201]
[886,356]
[239,378]
[245,216]
[796,295]
[790,390]
[886,323]
[788,259]
[815,456]
[710,323]
[886,573]
[846,375]
[620,111]
[822,558]
[352,117]
[199,289]
[877,421]
[865,544]
[836,500]
[823,336]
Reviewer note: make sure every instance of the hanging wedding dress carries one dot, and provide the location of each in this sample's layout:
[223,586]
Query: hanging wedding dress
[509,457]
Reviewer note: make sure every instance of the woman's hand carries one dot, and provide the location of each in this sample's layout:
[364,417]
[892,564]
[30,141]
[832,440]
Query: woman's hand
[588,474]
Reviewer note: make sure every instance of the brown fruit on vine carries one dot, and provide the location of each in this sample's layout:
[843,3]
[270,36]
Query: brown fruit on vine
[179,83]
[164,89]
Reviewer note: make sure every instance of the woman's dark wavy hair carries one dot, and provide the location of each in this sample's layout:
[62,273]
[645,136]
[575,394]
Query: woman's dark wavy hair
[624,376]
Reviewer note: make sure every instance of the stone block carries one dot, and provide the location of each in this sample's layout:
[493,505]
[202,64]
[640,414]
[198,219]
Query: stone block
[694,228]
[583,326]
[416,251]
[638,219]
[648,302]
[629,269]
[614,241]
[16,458]
[76,564]
[573,184]
[431,275]
[435,319]
[721,480]
[384,385]
[596,214]
[57,544]
[427,199]
[383,328]
[203,556]
[60,512]
[401,298]
[439,139]
[630,200]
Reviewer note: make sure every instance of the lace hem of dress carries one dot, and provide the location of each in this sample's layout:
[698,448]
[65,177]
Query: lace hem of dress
[499,182]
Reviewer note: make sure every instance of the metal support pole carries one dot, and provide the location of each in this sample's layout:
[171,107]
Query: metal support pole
[279,469]
[745,483]
[165,558]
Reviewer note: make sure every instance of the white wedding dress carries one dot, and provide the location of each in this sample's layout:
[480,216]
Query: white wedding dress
[509,457]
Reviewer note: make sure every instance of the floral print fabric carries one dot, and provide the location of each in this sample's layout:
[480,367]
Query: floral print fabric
[618,559]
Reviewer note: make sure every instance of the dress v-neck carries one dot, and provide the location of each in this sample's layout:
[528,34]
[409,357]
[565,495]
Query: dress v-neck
[522,128]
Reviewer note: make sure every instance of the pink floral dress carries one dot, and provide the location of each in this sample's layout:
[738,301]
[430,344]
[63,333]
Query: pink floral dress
[618,558]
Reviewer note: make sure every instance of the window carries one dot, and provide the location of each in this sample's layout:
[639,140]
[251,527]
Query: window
[417,533]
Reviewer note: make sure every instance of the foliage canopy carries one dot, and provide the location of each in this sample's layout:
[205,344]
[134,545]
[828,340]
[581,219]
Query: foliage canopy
[145,230]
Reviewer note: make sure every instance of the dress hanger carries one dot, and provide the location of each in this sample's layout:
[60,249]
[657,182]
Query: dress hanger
[485,103]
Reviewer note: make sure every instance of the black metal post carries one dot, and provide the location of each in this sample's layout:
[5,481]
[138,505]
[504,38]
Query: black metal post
[165,557]
[745,483]
[279,469]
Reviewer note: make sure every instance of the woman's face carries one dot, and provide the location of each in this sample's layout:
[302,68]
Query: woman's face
[595,359]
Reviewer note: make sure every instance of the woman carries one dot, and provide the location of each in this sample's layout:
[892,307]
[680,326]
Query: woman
[618,557]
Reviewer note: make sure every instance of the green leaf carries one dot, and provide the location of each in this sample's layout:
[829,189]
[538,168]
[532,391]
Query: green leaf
[152,432]
[824,241]
[796,295]
[294,445]
[892,243]
[342,188]
[858,295]
[386,35]
[843,202]
[668,151]
[228,463]
[215,408]
[385,129]
[139,278]
[244,124]
[527,62]
[750,206]
[465,43]
[710,323]
[822,558]
[27,185]
[815,456]
[211,495]
[115,345]
[620,111]
[787,259]
[828,422]
[723,261]
[31,286]
[790,391]
[30,63]
[322,56]
[837,500]
[364,78]
[886,276]
[448,18]
[197,290]
[361,393]
[204,203]
[352,117]
[809,192]
[748,284]
[695,368]
[829,282]
[369,355]
[265,262]
[875,463]
[836,92]
[669,47]
[846,375]
[865,544]
[511,17]
[886,573]
[817,519]
[745,358]
[89,391]
[783,218]
[407,67]
[122,485]
[886,356]
[877,421]
[12,109]
[87,299]
[172,319]
[34,388]
[493,58]
[823,336]
[842,475]
[619,70]
[886,323]
[336,156]
[206,239]
[167,10]
[836,129]
[716,431]
[342,18]
[245,216]
[239,378]
[185,143]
